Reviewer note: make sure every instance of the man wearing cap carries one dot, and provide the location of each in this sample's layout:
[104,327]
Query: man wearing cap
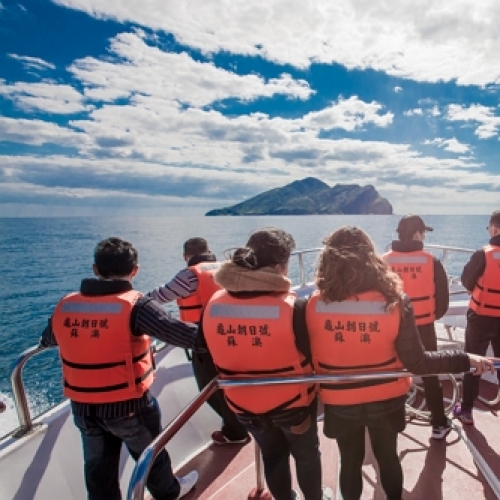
[481,277]
[426,283]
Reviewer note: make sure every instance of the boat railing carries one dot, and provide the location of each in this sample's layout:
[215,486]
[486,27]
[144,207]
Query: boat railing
[445,250]
[19,392]
[144,463]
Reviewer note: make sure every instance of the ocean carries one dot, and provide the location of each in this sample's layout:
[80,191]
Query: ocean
[42,259]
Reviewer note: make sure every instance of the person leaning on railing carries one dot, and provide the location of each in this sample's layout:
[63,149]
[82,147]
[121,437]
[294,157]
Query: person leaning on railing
[103,333]
[191,288]
[360,320]
[251,331]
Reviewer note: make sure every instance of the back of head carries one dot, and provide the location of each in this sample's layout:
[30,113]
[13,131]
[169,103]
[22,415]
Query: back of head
[266,247]
[495,219]
[409,225]
[115,258]
[349,265]
[196,246]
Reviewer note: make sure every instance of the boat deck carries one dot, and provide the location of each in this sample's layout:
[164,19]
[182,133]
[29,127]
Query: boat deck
[433,470]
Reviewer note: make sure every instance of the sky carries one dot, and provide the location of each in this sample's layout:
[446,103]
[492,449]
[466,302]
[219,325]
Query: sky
[154,106]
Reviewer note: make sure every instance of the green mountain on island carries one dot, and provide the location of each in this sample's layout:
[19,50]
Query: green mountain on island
[311,196]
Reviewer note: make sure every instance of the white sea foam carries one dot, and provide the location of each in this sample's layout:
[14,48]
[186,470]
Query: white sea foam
[8,419]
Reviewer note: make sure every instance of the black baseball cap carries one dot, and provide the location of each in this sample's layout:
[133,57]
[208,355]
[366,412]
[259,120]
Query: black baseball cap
[410,224]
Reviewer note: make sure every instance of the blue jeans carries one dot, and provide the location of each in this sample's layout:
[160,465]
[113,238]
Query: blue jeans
[102,440]
[277,442]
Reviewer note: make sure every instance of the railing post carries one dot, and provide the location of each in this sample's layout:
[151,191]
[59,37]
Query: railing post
[445,257]
[301,269]
[20,400]
[141,470]
[259,468]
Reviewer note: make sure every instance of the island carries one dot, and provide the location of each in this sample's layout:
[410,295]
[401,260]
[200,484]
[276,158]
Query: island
[311,196]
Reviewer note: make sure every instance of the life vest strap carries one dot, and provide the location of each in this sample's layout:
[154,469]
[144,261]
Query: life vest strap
[141,356]
[356,385]
[356,367]
[420,316]
[282,406]
[92,366]
[223,371]
[418,299]
[107,388]
[487,306]
[199,306]
[102,366]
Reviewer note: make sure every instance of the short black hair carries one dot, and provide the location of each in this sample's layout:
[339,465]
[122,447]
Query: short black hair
[115,257]
[495,219]
[196,246]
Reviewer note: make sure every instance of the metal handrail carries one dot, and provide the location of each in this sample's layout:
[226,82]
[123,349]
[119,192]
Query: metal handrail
[20,400]
[141,470]
[443,248]
[148,456]
[19,392]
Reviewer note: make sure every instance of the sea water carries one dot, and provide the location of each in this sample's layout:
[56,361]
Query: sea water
[42,259]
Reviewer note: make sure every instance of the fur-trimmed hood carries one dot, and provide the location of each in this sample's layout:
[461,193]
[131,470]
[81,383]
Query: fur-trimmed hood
[235,278]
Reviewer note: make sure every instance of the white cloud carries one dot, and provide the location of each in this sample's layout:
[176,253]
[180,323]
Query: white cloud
[414,112]
[476,113]
[423,41]
[452,145]
[435,111]
[398,89]
[348,114]
[47,97]
[33,62]
[38,132]
[173,77]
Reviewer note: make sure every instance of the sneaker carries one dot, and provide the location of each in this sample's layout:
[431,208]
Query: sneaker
[296,495]
[441,431]
[327,493]
[219,438]
[465,416]
[187,483]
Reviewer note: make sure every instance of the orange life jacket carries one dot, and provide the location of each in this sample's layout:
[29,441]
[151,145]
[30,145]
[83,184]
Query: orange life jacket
[102,361]
[485,298]
[190,308]
[253,338]
[355,335]
[416,269]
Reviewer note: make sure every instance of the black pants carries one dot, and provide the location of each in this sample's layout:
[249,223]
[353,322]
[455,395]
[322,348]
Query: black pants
[349,426]
[204,371]
[432,387]
[479,333]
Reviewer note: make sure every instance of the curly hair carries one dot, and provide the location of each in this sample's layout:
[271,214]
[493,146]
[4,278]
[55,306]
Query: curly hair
[349,265]
[265,247]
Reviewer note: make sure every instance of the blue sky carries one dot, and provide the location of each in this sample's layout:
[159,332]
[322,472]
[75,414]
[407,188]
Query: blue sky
[136,107]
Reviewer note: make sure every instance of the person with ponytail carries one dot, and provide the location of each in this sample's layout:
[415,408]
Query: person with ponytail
[253,330]
[359,320]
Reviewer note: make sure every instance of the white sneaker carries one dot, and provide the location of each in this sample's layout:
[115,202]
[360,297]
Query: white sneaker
[296,495]
[327,493]
[187,483]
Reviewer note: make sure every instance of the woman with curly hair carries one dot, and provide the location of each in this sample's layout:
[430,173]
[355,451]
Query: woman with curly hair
[359,320]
